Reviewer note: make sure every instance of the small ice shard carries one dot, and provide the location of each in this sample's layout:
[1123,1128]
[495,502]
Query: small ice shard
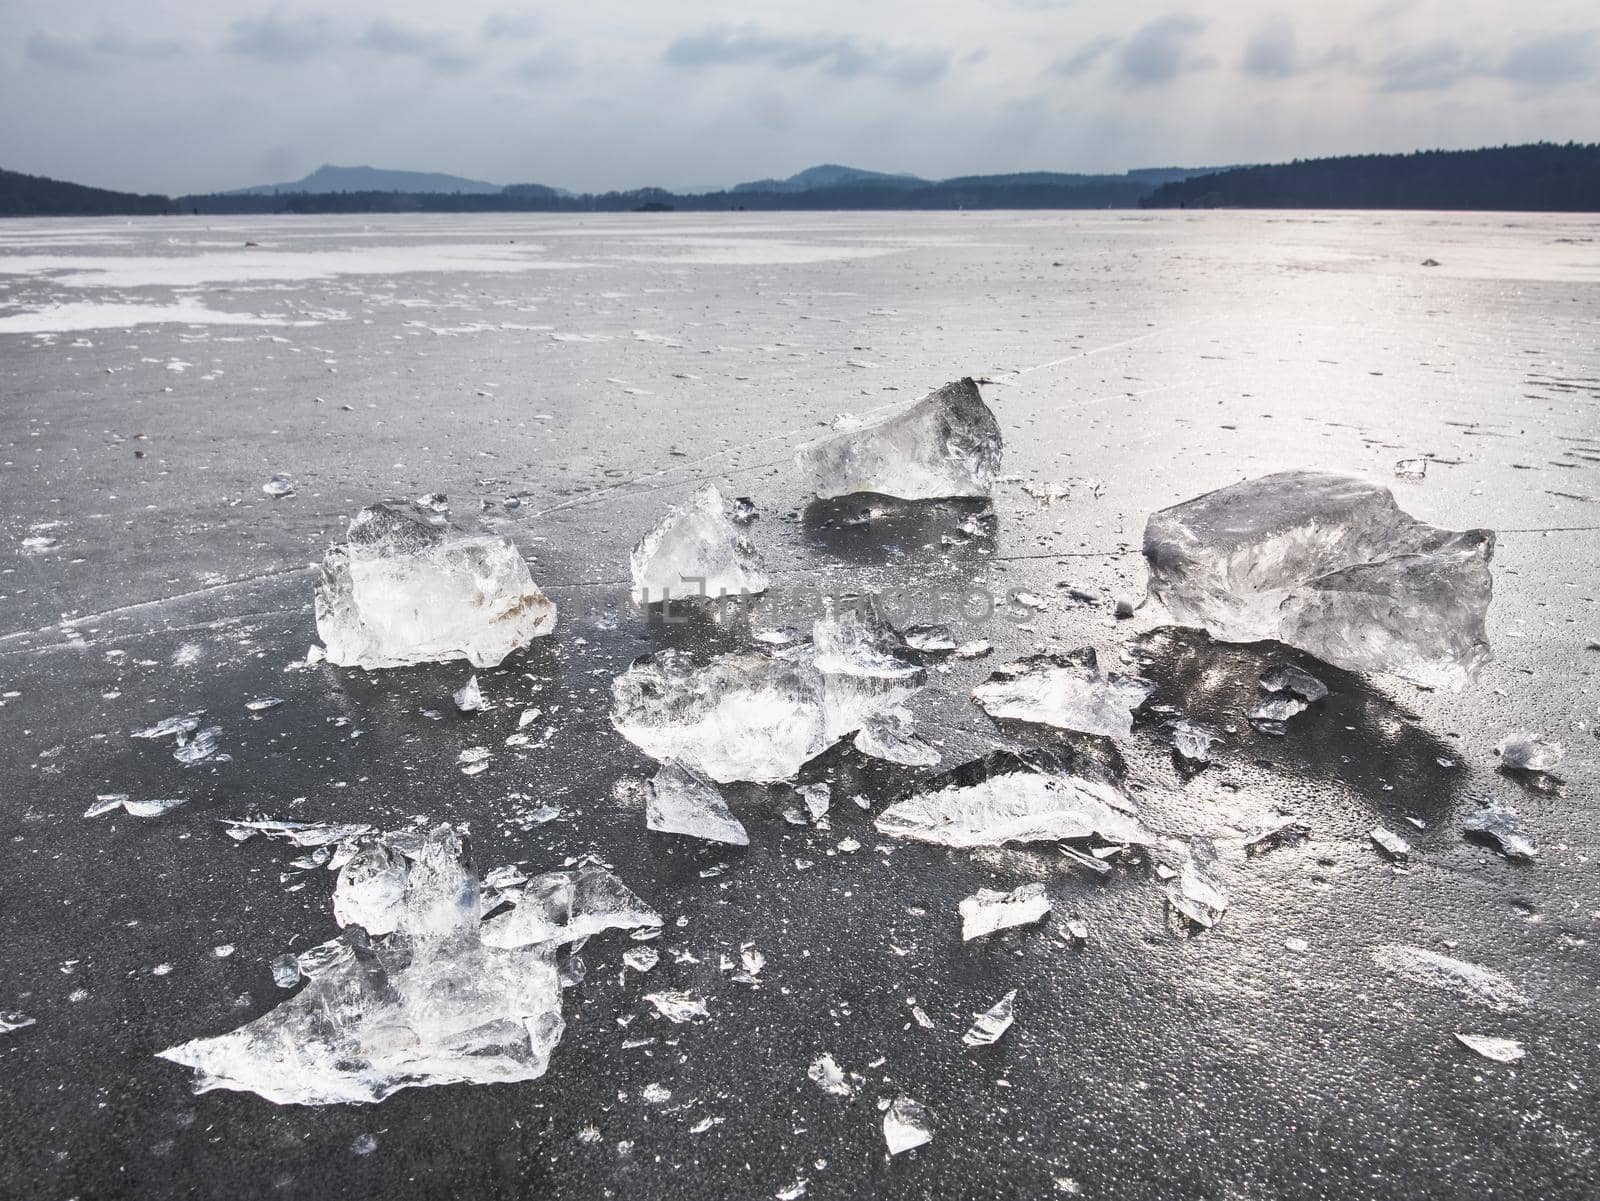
[1048,794]
[1411,469]
[469,697]
[777,635]
[1196,894]
[199,747]
[11,1021]
[855,638]
[300,834]
[678,1006]
[1274,709]
[1192,740]
[1501,825]
[1068,691]
[133,808]
[827,1076]
[279,485]
[930,639]
[1430,968]
[889,736]
[371,889]
[1391,844]
[433,502]
[681,801]
[976,649]
[1501,1050]
[1523,751]
[566,906]
[38,544]
[172,727]
[744,509]
[906,1124]
[817,798]
[945,445]
[1329,565]
[741,717]
[263,703]
[697,549]
[987,911]
[1281,832]
[428,1005]
[405,588]
[1029,600]
[641,959]
[1291,679]
[988,1026]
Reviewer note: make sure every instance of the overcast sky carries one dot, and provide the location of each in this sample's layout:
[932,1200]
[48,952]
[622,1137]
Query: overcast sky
[176,95]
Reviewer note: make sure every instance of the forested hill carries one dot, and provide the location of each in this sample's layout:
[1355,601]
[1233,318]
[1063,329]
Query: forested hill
[36,196]
[1543,176]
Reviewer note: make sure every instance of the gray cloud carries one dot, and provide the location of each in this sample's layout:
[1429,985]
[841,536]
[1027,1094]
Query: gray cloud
[437,48]
[81,54]
[1271,52]
[510,27]
[1436,65]
[842,56]
[275,38]
[1084,57]
[1158,52]
[548,63]
[1554,58]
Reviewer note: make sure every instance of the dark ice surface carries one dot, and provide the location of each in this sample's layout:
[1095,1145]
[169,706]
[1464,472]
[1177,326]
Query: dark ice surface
[601,368]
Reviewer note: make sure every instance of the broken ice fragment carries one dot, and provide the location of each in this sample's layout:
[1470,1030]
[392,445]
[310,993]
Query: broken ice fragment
[1411,469]
[371,889]
[1523,751]
[1502,826]
[817,798]
[827,1076]
[988,1026]
[263,703]
[469,697]
[170,727]
[1392,845]
[1291,679]
[678,1006]
[1196,895]
[199,747]
[1329,565]
[1275,709]
[987,911]
[300,834]
[566,906]
[906,1124]
[974,650]
[930,639]
[855,638]
[889,736]
[1501,1050]
[681,801]
[945,445]
[1068,691]
[641,959]
[741,717]
[1430,968]
[474,760]
[1049,794]
[430,1005]
[155,808]
[1280,833]
[405,588]
[11,1021]
[696,550]
[286,971]
[1192,740]
[279,485]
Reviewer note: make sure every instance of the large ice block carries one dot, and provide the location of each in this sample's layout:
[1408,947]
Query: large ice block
[1330,565]
[1068,691]
[945,445]
[696,549]
[404,588]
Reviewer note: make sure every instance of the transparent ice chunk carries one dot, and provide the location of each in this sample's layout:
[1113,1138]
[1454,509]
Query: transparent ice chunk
[678,1005]
[1197,895]
[945,445]
[11,1021]
[681,801]
[428,1005]
[133,808]
[469,697]
[566,906]
[1503,826]
[1523,751]
[889,736]
[987,910]
[278,485]
[1049,794]
[1193,740]
[1469,980]
[987,1027]
[404,588]
[1391,844]
[697,549]
[1501,1050]
[1068,691]
[741,717]
[370,891]
[1288,678]
[827,1075]
[906,1124]
[1329,565]
[855,638]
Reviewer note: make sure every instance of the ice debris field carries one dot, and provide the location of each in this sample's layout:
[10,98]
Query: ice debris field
[872,788]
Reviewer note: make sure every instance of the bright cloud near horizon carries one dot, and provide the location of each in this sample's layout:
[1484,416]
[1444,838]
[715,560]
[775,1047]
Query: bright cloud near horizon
[174,97]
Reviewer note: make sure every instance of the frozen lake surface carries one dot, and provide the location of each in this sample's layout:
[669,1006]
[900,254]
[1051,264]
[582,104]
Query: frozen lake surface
[155,373]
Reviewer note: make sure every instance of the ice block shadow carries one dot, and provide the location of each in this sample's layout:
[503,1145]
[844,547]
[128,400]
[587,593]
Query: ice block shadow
[1358,735]
[898,527]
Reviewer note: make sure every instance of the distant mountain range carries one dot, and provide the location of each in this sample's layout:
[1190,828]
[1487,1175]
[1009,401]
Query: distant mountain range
[328,178]
[1541,176]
